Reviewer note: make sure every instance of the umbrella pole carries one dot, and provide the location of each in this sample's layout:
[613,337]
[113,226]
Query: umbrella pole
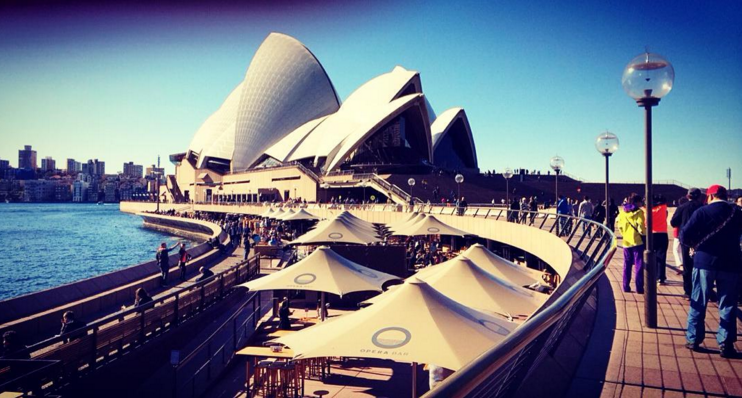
[322,306]
[414,380]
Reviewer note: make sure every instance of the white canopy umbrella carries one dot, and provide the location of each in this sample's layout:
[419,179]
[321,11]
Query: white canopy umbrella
[501,267]
[412,219]
[301,214]
[282,216]
[465,282]
[429,225]
[462,280]
[323,271]
[414,323]
[268,213]
[358,222]
[277,214]
[336,231]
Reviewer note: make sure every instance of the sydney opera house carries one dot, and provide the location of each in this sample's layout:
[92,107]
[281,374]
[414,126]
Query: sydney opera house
[283,133]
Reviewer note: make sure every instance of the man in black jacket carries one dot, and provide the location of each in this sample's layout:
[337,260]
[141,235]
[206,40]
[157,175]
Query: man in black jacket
[163,260]
[713,232]
[679,219]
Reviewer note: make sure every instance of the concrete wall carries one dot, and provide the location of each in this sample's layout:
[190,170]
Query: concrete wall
[37,315]
[546,246]
[290,179]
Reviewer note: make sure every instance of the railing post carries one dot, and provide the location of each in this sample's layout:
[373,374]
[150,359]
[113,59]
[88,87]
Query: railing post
[95,349]
[141,325]
[234,333]
[176,311]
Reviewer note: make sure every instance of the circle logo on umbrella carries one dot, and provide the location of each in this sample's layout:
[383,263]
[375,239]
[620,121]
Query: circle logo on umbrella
[494,327]
[304,279]
[335,235]
[391,337]
[434,229]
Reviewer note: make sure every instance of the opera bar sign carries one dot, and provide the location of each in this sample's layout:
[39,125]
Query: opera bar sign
[388,340]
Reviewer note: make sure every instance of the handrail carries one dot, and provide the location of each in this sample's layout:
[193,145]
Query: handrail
[238,338]
[500,371]
[102,341]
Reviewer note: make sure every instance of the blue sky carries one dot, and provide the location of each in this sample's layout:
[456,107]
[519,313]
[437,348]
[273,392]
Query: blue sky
[122,83]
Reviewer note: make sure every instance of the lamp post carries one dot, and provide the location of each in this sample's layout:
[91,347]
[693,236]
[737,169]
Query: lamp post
[411,183]
[607,145]
[557,164]
[459,179]
[363,184]
[508,174]
[647,78]
[325,186]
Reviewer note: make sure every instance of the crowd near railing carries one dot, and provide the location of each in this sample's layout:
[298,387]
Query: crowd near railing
[501,371]
[84,350]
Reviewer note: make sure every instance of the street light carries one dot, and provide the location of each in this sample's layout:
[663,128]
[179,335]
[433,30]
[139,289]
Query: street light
[607,145]
[325,186]
[411,183]
[646,79]
[557,164]
[459,179]
[508,174]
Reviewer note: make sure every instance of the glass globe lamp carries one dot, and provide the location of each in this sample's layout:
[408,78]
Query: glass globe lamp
[508,173]
[411,182]
[459,178]
[648,75]
[606,143]
[557,163]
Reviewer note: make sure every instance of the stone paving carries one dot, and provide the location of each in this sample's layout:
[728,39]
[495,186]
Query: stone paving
[655,362]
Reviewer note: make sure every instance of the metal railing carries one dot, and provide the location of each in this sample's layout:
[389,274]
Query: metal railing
[203,365]
[500,371]
[84,350]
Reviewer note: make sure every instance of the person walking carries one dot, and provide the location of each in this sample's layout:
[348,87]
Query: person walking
[586,211]
[612,212]
[679,219]
[182,260]
[659,234]
[163,260]
[599,216]
[713,233]
[563,209]
[632,228]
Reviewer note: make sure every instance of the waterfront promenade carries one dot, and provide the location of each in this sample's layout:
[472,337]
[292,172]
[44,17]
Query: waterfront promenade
[652,362]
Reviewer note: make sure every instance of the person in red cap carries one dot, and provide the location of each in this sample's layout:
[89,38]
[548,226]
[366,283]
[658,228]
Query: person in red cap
[713,233]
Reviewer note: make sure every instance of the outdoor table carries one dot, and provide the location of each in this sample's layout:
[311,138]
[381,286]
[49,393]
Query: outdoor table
[253,353]
[279,333]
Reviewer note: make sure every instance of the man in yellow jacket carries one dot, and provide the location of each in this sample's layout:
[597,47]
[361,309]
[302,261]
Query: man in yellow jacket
[631,225]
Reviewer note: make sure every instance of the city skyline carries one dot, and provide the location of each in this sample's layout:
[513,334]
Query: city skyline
[134,83]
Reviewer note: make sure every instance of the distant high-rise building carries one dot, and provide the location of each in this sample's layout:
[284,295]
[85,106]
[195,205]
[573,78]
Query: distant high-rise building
[78,167]
[94,167]
[27,158]
[72,166]
[48,164]
[132,170]
[100,167]
[4,164]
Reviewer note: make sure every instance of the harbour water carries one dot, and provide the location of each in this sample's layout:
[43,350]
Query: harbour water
[46,245]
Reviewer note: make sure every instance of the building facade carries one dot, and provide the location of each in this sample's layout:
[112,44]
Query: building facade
[27,158]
